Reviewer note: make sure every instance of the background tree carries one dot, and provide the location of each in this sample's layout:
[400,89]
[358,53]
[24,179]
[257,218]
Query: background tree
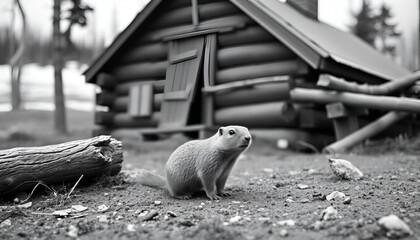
[61,42]
[386,30]
[15,60]
[365,26]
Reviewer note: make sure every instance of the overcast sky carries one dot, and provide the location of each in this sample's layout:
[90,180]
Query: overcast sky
[112,16]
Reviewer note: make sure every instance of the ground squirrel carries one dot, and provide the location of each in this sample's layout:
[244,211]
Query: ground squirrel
[201,164]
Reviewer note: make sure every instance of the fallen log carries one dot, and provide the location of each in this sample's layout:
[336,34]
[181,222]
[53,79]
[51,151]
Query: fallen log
[365,132]
[23,168]
[356,100]
[339,84]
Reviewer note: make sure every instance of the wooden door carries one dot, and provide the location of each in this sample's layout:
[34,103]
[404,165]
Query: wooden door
[182,75]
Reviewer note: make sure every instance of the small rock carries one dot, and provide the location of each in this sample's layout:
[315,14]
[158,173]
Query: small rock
[394,177]
[380,177]
[283,233]
[318,225]
[302,186]
[236,202]
[289,200]
[335,196]
[131,227]
[102,218]
[394,226]
[102,208]
[235,219]
[330,213]
[268,170]
[62,213]
[73,231]
[287,223]
[171,214]
[311,171]
[305,200]
[16,200]
[186,223]
[6,223]
[149,216]
[157,203]
[347,200]
[345,169]
[265,220]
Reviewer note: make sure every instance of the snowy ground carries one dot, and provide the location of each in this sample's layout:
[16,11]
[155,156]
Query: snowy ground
[38,87]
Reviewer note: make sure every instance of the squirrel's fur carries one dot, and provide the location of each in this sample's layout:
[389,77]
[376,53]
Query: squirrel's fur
[201,164]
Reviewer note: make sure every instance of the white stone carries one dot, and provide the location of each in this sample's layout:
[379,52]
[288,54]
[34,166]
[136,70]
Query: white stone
[345,169]
[394,226]
[330,213]
[288,223]
[336,195]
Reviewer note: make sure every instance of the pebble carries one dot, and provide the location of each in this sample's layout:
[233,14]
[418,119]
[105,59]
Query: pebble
[345,169]
[73,231]
[149,216]
[305,200]
[171,214]
[131,227]
[289,200]
[302,186]
[157,203]
[347,200]
[394,226]
[235,219]
[102,208]
[186,223]
[330,213]
[288,223]
[336,195]
[6,223]
[283,233]
[236,202]
[102,218]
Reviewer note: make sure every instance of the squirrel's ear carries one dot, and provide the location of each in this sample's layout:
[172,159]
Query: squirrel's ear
[220,131]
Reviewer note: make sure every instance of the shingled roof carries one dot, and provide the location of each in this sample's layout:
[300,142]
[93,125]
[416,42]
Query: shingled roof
[323,47]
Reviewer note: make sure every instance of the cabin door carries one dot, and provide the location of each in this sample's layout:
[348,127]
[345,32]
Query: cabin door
[185,60]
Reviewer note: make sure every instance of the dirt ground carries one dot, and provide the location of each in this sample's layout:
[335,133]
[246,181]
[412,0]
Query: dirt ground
[265,193]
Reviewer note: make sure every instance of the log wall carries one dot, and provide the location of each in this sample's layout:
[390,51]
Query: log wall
[247,51]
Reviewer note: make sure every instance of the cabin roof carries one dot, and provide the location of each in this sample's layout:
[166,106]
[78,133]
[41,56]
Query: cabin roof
[310,39]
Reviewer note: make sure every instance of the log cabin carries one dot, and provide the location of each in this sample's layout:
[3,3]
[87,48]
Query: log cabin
[192,65]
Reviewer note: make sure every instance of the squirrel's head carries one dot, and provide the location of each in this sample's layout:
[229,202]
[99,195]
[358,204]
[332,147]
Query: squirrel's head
[234,138]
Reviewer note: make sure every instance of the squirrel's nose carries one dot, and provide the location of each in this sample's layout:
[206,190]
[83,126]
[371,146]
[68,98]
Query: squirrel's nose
[247,139]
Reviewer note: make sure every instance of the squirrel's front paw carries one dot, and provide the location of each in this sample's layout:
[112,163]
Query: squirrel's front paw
[224,194]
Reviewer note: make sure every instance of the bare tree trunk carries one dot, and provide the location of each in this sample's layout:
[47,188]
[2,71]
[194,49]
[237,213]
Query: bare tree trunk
[58,41]
[15,60]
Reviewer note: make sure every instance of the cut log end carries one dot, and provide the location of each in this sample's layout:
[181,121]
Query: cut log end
[22,168]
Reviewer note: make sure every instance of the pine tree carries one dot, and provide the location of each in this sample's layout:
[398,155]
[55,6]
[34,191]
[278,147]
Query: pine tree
[365,26]
[386,30]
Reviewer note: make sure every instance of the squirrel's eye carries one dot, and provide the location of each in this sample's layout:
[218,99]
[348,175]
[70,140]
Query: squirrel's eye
[231,132]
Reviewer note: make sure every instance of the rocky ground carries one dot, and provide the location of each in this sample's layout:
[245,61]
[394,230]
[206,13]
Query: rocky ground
[275,194]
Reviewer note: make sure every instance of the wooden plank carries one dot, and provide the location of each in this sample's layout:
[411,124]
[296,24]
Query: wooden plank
[105,98]
[152,52]
[338,109]
[121,103]
[246,83]
[345,118]
[209,70]
[183,56]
